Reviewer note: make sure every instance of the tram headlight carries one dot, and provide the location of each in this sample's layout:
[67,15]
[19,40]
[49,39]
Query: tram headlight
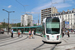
[57,37]
[48,37]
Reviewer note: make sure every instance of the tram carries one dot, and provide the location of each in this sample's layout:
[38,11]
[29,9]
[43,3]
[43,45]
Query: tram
[26,29]
[51,29]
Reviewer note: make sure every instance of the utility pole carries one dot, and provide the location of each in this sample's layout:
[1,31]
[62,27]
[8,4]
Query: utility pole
[38,19]
[4,23]
[8,17]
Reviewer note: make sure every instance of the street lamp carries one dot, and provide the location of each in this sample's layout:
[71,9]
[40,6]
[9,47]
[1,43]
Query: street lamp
[8,17]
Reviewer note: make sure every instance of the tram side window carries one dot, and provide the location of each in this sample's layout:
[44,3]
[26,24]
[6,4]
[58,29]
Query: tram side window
[26,29]
[14,29]
[31,29]
[22,29]
[38,30]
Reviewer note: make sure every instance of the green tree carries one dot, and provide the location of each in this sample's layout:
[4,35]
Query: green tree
[35,25]
[4,25]
[18,24]
[28,24]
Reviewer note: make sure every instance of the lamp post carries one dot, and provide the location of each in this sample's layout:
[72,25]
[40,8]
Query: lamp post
[8,17]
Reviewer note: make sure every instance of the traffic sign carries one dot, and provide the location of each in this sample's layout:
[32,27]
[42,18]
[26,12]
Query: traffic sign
[66,22]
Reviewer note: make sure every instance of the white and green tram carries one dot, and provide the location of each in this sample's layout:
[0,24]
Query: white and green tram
[51,29]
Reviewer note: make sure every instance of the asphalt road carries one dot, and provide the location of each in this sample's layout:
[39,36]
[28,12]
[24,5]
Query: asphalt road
[5,35]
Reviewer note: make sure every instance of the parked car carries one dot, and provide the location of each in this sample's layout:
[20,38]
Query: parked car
[2,31]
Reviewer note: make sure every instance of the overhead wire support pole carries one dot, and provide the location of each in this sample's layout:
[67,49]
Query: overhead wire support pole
[38,19]
[8,17]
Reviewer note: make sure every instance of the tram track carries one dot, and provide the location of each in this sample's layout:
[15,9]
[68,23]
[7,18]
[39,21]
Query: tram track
[65,40]
[50,47]
[53,47]
[66,44]
[38,46]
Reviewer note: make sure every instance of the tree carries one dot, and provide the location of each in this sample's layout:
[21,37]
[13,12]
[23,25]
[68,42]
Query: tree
[28,24]
[18,24]
[35,25]
[4,25]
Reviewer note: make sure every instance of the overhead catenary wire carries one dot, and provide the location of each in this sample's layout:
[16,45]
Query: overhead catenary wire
[21,4]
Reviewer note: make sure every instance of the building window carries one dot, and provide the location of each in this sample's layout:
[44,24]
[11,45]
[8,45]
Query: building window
[68,17]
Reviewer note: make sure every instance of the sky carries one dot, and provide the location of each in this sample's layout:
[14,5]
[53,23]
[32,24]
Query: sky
[22,6]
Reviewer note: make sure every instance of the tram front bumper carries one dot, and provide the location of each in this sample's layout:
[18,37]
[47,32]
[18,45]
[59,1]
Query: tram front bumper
[47,41]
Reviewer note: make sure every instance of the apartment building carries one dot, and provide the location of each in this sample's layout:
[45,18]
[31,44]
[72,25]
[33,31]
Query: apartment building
[26,19]
[47,12]
[68,16]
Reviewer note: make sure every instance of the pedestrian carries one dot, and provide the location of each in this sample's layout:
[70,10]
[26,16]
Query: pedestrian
[63,33]
[33,34]
[74,31]
[34,31]
[68,33]
[22,31]
[29,34]
[18,32]
[12,33]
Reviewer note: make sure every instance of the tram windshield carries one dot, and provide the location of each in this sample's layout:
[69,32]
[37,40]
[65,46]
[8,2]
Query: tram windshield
[52,26]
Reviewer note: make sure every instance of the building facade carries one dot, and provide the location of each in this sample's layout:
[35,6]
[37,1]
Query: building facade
[26,19]
[47,12]
[68,16]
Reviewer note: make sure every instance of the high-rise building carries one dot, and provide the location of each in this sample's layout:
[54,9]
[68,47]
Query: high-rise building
[48,12]
[26,19]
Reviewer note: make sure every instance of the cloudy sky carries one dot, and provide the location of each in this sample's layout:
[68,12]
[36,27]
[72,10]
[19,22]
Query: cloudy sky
[35,6]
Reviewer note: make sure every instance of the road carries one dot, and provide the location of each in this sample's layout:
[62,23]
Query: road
[3,36]
[24,43]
